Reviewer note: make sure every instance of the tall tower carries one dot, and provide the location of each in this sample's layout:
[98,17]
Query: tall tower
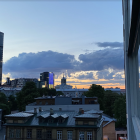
[63,80]
[1,54]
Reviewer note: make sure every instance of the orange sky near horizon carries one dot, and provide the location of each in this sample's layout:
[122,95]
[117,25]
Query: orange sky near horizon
[78,83]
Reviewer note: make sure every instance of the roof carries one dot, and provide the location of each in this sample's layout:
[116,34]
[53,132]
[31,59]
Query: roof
[20,114]
[113,89]
[88,116]
[9,88]
[69,120]
[45,115]
[94,112]
[108,119]
[74,90]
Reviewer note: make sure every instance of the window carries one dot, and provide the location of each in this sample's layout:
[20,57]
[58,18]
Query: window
[18,133]
[29,133]
[81,135]
[60,120]
[85,122]
[15,121]
[11,133]
[69,134]
[50,121]
[49,134]
[89,135]
[39,134]
[59,135]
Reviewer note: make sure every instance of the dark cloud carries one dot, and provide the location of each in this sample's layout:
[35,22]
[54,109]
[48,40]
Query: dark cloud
[105,74]
[110,44]
[32,63]
[86,76]
[102,59]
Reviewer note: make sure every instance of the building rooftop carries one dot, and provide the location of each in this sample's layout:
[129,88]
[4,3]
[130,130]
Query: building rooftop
[20,114]
[68,116]
[88,116]
[94,112]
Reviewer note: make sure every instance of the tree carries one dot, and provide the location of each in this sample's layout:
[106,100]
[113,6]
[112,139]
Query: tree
[26,95]
[109,99]
[3,98]
[59,93]
[52,92]
[98,91]
[12,102]
[120,111]
[43,91]
[4,105]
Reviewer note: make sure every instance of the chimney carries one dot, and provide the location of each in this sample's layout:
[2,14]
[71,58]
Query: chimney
[82,111]
[35,110]
[51,111]
[40,109]
[60,109]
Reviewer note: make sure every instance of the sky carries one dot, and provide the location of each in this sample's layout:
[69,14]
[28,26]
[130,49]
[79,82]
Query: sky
[83,39]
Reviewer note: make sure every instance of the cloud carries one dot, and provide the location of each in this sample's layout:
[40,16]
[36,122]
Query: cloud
[110,44]
[86,76]
[34,63]
[102,59]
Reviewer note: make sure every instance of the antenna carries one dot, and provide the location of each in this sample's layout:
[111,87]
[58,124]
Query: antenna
[63,74]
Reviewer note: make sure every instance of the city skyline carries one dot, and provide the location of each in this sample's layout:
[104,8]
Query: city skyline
[86,44]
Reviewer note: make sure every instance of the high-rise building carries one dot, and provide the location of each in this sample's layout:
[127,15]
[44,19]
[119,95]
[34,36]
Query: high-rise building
[1,54]
[48,78]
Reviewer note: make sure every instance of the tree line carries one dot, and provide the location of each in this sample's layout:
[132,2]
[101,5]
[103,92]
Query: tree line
[113,104]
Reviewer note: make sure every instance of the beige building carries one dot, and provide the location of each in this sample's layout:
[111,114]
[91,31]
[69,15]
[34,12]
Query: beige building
[54,125]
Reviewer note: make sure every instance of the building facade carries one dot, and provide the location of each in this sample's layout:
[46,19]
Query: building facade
[20,82]
[63,85]
[48,79]
[10,91]
[54,125]
[1,54]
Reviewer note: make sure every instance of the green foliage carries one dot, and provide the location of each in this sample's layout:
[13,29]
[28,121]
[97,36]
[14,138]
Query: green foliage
[26,95]
[3,98]
[59,93]
[111,103]
[109,99]
[12,102]
[43,91]
[120,111]
[52,92]
[98,91]
[4,105]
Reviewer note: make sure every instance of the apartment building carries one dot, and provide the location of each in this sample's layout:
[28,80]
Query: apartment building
[54,125]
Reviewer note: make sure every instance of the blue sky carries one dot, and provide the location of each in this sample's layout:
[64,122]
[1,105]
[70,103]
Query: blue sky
[71,27]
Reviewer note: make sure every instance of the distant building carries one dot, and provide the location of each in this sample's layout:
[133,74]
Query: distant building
[54,125]
[10,91]
[115,90]
[48,79]
[20,82]
[66,103]
[63,84]
[1,54]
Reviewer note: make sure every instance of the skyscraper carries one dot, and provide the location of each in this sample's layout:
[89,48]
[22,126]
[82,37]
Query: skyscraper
[1,54]
[47,77]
